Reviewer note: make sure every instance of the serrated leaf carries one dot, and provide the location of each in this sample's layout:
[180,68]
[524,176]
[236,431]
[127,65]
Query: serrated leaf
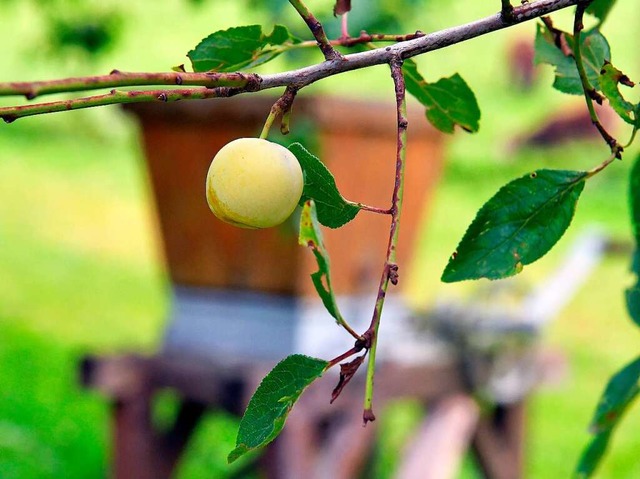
[273,400]
[592,455]
[311,236]
[595,51]
[619,393]
[332,208]
[610,78]
[448,102]
[601,8]
[239,48]
[520,224]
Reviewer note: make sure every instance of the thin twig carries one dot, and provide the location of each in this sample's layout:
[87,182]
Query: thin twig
[317,31]
[373,209]
[344,25]
[305,76]
[117,79]
[507,11]
[602,166]
[359,346]
[116,97]
[390,270]
[590,93]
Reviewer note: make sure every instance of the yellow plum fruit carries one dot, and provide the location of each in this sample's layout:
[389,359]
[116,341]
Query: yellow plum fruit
[254,183]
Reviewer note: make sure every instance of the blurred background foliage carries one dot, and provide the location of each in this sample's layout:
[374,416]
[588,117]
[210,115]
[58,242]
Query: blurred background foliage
[80,264]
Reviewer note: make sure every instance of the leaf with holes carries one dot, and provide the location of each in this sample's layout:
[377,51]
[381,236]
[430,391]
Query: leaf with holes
[272,402]
[448,102]
[595,51]
[332,208]
[609,80]
[520,224]
[311,236]
[239,48]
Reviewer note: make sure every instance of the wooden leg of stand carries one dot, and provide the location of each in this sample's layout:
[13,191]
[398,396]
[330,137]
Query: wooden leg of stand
[140,451]
[134,440]
[174,441]
[347,448]
[443,439]
[499,442]
[293,454]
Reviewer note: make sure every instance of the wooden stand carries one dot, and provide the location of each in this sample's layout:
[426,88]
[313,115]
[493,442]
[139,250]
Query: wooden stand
[320,440]
[357,141]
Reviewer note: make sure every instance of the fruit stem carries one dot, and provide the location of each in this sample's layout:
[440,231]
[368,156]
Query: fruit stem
[267,124]
[390,270]
[281,107]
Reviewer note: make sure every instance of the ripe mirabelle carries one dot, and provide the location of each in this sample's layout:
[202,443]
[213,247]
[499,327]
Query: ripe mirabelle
[254,183]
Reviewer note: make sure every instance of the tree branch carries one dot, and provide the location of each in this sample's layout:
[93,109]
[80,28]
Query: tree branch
[317,30]
[121,79]
[114,97]
[305,76]
[390,270]
[429,42]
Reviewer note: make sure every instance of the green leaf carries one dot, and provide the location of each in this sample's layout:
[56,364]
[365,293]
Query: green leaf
[610,78]
[632,299]
[634,198]
[601,8]
[273,400]
[632,294]
[624,386]
[311,236]
[517,226]
[239,48]
[449,101]
[319,185]
[619,393]
[592,455]
[595,51]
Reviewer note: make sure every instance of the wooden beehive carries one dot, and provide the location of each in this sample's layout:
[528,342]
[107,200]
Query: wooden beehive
[355,139]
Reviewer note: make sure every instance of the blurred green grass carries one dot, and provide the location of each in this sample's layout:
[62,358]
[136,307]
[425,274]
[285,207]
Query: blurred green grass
[81,268]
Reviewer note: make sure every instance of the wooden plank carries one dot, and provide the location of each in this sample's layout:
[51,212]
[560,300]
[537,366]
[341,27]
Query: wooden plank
[498,442]
[441,442]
